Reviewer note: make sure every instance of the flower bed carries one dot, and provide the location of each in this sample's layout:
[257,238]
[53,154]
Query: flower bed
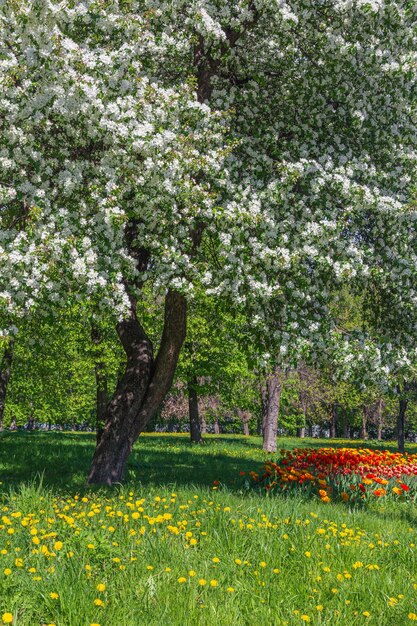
[347,474]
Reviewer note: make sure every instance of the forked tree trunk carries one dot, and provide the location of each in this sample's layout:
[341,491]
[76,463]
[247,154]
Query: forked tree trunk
[5,372]
[274,385]
[195,429]
[140,390]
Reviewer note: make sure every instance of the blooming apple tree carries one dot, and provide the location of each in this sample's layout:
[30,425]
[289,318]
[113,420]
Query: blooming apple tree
[263,150]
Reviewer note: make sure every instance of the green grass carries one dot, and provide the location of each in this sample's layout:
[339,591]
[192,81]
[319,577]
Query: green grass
[296,559]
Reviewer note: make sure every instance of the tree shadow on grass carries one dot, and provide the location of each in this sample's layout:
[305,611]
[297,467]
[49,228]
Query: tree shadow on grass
[63,460]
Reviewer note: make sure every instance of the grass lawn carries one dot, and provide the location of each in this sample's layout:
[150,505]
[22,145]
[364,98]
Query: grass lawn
[170,548]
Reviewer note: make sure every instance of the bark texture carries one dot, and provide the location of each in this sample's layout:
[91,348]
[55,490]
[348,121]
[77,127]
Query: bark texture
[5,372]
[195,428]
[274,384]
[140,390]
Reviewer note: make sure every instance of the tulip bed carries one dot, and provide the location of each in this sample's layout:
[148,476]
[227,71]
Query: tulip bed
[348,474]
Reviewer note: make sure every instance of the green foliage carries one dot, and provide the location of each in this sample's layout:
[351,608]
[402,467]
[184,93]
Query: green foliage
[53,380]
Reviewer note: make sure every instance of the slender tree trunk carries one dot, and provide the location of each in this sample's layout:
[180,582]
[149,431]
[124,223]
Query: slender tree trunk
[274,389]
[264,405]
[203,425]
[333,420]
[5,372]
[195,428]
[140,390]
[216,426]
[244,417]
[403,403]
[364,425]
[379,419]
[30,423]
[301,432]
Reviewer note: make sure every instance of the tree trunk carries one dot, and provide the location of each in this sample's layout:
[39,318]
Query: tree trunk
[140,390]
[364,431]
[203,425]
[403,403]
[333,421]
[244,417]
[30,423]
[195,429]
[380,422]
[216,426]
[274,389]
[301,432]
[5,372]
